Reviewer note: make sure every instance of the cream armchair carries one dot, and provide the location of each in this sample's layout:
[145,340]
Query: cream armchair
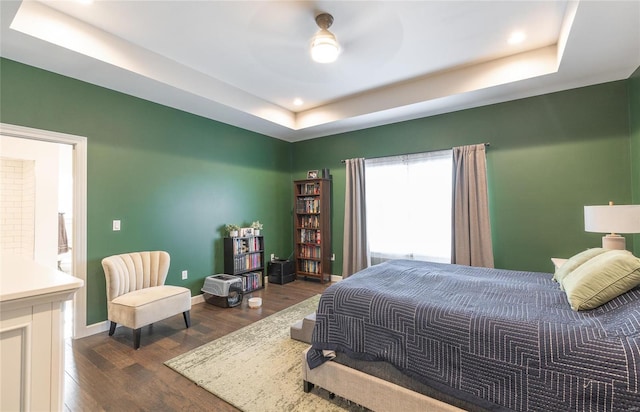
[137,295]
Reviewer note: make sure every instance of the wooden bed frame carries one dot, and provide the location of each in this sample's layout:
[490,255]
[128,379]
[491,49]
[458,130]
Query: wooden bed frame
[366,390]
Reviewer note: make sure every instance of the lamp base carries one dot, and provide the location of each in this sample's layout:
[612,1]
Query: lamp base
[614,242]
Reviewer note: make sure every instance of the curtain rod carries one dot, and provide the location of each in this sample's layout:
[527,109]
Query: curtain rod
[407,154]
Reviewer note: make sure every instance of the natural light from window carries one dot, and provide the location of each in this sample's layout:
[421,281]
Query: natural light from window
[408,202]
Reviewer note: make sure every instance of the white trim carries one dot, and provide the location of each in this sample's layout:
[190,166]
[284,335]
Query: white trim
[96,328]
[79,144]
[197,299]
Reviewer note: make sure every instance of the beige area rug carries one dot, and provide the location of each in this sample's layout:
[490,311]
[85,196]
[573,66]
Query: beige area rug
[259,368]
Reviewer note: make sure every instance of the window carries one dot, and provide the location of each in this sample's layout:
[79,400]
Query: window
[409,206]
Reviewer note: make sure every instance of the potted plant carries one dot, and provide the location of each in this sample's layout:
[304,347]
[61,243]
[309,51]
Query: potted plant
[257,227]
[232,230]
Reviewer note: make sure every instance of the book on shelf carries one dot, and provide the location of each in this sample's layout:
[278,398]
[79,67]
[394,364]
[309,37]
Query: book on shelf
[311,266]
[308,205]
[247,262]
[310,251]
[309,222]
[247,245]
[310,188]
[251,281]
[310,236]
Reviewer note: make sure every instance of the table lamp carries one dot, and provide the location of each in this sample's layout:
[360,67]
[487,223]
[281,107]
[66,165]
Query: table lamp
[612,219]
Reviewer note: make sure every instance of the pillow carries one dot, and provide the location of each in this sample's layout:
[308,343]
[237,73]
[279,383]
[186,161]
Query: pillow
[601,279]
[574,262]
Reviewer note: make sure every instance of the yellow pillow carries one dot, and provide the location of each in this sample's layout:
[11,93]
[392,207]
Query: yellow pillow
[601,279]
[574,262]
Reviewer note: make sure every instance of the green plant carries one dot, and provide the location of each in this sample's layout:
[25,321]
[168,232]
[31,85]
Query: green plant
[232,228]
[257,225]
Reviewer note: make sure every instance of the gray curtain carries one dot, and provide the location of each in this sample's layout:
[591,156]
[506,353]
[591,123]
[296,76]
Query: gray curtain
[471,229]
[355,249]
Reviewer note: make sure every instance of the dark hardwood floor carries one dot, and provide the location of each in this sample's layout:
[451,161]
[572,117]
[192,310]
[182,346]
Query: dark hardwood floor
[104,373]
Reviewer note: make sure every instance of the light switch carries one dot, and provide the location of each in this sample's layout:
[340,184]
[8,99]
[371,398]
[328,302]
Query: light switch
[116,225]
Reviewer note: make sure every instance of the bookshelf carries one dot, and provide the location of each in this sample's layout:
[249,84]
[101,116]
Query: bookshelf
[312,228]
[244,257]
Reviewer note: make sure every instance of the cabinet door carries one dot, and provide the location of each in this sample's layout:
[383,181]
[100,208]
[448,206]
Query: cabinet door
[32,358]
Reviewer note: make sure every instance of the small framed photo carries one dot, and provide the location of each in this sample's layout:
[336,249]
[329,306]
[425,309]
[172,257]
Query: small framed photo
[246,231]
[312,174]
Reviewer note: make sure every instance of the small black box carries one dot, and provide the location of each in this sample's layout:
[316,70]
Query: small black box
[281,272]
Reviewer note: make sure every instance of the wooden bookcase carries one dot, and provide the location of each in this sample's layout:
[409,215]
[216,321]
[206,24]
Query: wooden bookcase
[312,228]
[244,256]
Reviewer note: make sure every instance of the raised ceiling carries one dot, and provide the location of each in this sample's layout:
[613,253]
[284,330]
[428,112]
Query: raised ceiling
[244,62]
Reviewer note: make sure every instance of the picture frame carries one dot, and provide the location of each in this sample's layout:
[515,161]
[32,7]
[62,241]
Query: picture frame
[312,174]
[246,231]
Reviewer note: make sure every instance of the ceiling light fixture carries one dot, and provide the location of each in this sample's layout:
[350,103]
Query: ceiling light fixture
[324,45]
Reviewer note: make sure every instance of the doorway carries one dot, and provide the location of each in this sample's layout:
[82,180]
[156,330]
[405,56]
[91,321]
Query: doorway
[45,250]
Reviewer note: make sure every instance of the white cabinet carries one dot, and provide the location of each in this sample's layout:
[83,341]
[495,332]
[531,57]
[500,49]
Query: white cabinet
[31,334]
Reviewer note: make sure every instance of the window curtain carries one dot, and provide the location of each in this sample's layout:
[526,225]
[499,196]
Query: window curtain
[355,250]
[471,229]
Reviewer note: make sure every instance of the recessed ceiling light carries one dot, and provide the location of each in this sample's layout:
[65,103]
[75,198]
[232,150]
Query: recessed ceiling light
[517,37]
[298,101]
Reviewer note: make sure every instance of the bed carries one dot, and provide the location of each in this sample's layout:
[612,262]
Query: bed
[409,335]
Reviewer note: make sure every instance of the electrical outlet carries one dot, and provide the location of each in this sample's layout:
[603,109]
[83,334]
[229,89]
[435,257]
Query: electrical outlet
[116,225]
[184,275]
[273,256]
[333,256]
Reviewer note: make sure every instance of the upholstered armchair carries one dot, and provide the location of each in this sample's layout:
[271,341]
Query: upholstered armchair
[137,295]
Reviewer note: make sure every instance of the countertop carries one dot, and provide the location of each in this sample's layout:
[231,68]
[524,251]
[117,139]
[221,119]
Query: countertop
[22,278]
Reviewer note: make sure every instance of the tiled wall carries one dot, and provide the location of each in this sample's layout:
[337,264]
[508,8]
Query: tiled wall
[17,206]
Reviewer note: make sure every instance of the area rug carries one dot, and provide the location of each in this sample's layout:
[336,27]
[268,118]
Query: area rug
[259,368]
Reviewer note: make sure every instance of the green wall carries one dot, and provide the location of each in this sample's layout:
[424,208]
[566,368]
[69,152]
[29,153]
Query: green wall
[549,156]
[173,178]
[634,132]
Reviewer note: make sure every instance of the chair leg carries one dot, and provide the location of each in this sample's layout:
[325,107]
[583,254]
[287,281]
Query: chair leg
[187,317]
[112,328]
[136,338]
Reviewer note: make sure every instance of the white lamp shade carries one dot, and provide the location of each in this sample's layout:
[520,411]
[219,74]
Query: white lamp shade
[324,47]
[612,219]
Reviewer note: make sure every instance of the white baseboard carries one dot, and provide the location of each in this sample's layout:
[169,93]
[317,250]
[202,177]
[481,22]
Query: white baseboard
[336,278]
[83,332]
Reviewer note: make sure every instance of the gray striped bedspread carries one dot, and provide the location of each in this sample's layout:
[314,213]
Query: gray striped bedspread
[506,337]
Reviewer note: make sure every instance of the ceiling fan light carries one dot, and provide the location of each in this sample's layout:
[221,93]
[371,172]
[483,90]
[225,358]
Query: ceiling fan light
[324,47]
